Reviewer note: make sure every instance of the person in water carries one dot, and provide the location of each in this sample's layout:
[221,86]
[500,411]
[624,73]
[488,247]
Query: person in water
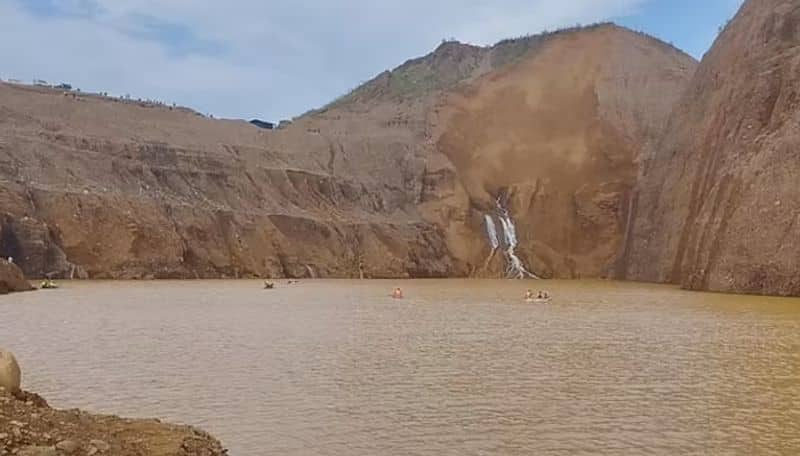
[397,293]
[529,294]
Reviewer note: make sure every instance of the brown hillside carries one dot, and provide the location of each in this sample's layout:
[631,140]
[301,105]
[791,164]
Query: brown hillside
[719,207]
[559,134]
[111,189]
[391,180]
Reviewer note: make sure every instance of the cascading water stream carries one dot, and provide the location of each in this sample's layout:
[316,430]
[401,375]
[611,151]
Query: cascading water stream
[494,240]
[491,230]
[515,268]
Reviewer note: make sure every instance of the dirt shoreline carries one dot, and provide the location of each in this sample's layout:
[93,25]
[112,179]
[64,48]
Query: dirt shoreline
[30,427]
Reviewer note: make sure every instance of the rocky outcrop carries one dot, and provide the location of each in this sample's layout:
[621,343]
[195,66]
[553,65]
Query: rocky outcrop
[393,179]
[718,205]
[30,243]
[11,278]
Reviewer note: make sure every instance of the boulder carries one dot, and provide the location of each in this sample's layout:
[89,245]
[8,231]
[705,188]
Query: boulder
[67,446]
[10,374]
[11,278]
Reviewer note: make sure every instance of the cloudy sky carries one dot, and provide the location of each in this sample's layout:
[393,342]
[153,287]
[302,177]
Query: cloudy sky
[274,59]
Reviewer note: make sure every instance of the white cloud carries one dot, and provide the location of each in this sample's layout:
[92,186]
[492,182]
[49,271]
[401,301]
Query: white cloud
[272,58]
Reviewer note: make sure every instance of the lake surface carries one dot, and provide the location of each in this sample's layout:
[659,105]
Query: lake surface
[457,368]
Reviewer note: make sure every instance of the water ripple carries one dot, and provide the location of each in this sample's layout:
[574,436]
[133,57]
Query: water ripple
[458,368]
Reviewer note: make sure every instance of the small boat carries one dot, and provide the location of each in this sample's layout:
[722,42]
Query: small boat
[539,300]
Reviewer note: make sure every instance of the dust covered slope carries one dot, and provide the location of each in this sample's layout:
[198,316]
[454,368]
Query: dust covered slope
[558,135]
[719,203]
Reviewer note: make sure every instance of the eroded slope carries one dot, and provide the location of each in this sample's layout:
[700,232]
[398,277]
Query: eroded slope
[393,180]
[719,207]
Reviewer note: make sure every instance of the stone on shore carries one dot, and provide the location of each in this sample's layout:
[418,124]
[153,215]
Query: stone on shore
[10,374]
[67,446]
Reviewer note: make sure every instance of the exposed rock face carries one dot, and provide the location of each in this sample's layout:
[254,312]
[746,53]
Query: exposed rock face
[11,278]
[719,207]
[395,176]
[127,191]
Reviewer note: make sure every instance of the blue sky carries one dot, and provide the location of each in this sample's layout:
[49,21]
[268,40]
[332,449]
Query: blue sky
[274,59]
[691,25]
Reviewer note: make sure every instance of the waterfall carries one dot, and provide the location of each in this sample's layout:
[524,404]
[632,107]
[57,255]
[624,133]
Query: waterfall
[515,269]
[311,273]
[491,230]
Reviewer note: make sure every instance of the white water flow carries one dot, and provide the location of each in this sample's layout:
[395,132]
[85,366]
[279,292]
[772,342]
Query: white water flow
[491,230]
[515,269]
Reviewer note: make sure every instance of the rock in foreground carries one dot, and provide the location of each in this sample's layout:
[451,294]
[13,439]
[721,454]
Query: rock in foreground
[28,426]
[11,278]
[10,374]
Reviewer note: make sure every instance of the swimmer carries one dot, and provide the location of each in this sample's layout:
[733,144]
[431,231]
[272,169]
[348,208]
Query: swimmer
[529,294]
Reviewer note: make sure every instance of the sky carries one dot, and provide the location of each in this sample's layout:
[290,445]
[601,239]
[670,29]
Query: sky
[275,59]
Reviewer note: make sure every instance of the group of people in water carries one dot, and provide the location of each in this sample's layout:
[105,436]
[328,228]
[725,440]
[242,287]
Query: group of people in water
[529,295]
[397,293]
[541,295]
[269,285]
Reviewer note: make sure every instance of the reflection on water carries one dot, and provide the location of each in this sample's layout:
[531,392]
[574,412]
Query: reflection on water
[457,368]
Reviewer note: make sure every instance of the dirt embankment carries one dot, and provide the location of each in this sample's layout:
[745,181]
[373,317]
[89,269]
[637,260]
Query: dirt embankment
[11,278]
[719,207]
[29,427]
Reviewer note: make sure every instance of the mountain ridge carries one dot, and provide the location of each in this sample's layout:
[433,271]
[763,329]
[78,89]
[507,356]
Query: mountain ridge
[380,187]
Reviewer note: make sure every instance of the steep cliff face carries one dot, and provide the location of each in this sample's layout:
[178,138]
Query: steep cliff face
[115,189]
[392,180]
[557,136]
[719,207]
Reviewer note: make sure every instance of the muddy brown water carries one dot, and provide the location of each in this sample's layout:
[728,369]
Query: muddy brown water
[457,368]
